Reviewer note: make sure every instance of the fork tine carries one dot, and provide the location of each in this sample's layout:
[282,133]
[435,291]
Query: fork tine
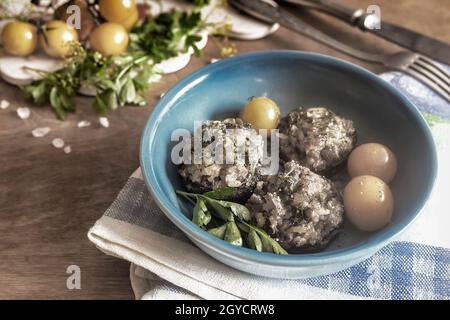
[433,66]
[433,71]
[430,75]
[421,77]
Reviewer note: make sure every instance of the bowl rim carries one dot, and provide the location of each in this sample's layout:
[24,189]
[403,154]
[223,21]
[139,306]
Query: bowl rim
[307,259]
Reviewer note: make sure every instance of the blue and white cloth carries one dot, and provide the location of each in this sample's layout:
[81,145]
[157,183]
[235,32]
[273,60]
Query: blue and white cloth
[165,265]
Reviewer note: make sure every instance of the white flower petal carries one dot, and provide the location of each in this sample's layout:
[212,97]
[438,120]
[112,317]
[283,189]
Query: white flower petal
[4,104]
[23,112]
[83,124]
[104,121]
[40,132]
[58,143]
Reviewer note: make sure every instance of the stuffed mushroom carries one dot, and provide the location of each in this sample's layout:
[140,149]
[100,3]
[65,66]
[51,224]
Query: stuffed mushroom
[231,156]
[297,207]
[317,138]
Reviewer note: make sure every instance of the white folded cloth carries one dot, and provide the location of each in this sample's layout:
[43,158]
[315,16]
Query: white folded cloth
[176,268]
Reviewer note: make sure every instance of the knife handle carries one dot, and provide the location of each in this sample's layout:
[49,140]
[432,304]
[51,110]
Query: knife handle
[331,7]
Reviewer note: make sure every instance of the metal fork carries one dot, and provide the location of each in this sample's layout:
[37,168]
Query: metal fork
[421,68]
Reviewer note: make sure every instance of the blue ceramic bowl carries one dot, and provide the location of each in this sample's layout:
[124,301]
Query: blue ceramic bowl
[380,114]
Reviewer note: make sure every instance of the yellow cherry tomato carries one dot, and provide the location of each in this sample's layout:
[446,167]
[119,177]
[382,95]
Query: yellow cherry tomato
[58,39]
[19,38]
[368,202]
[119,11]
[372,159]
[131,21]
[261,113]
[109,39]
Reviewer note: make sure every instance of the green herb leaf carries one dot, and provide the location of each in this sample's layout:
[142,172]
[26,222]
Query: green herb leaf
[243,227]
[233,235]
[106,101]
[220,211]
[254,241]
[164,36]
[144,78]
[237,209]
[268,244]
[219,232]
[200,3]
[225,193]
[259,240]
[201,216]
[139,101]
[277,248]
[128,92]
[191,42]
[235,215]
[57,103]
[66,102]
[37,92]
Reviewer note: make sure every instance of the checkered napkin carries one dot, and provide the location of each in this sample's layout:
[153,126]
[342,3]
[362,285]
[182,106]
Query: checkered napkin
[166,265]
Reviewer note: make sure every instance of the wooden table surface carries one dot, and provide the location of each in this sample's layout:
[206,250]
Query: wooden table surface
[49,200]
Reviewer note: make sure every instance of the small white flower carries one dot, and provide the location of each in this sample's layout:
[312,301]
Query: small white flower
[214,60]
[162,95]
[4,104]
[40,132]
[58,143]
[67,149]
[83,124]
[104,121]
[23,113]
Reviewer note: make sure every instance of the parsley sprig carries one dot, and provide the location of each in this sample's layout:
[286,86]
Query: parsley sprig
[229,221]
[168,34]
[200,3]
[59,87]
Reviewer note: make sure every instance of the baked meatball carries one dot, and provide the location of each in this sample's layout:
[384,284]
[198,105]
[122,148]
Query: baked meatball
[297,207]
[317,138]
[242,151]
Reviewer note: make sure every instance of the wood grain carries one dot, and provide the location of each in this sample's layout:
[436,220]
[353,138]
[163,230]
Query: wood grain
[48,200]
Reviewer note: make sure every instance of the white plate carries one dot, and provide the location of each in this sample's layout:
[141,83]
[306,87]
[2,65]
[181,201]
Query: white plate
[13,69]
[242,27]
[182,60]
[174,64]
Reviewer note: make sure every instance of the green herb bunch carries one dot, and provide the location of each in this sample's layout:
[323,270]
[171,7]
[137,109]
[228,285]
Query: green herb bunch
[168,34]
[116,80]
[200,3]
[229,221]
[61,86]
[119,80]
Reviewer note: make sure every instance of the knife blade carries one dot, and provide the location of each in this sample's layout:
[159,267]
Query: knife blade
[415,41]
[406,38]
[269,11]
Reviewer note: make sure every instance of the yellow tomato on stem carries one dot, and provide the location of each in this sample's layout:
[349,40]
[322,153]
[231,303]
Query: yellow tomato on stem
[109,39]
[123,12]
[19,38]
[58,39]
